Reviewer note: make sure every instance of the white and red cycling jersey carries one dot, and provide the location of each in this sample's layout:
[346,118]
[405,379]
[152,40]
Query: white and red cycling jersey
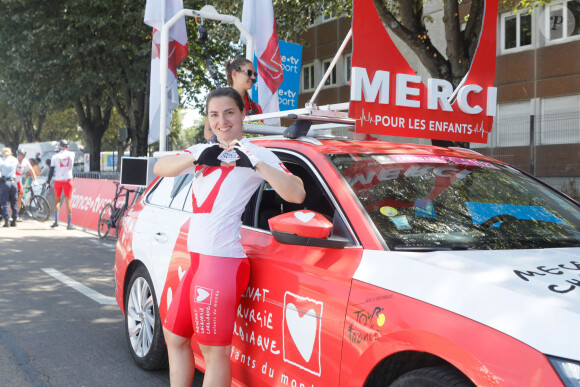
[63,163]
[22,169]
[219,195]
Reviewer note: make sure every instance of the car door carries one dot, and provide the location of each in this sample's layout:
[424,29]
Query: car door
[289,326]
[158,227]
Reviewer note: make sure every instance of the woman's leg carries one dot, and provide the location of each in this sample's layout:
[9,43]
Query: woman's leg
[181,360]
[218,366]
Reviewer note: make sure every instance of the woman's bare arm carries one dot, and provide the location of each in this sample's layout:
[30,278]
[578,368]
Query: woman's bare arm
[173,165]
[288,186]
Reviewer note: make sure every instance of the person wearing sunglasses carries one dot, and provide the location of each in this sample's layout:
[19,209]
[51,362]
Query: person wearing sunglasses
[241,76]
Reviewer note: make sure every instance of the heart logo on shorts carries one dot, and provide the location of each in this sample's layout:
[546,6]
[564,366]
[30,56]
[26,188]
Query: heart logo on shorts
[304,217]
[202,294]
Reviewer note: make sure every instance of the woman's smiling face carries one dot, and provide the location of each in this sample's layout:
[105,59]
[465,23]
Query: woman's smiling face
[225,119]
[241,79]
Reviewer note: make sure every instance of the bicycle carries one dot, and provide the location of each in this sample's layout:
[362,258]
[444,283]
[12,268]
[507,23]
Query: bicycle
[35,205]
[111,215]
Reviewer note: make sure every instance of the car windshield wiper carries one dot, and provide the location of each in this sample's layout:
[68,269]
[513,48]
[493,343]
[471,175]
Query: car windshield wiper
[430,248]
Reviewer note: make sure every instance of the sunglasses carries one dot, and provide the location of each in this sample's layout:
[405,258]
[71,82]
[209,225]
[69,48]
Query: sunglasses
[248,72]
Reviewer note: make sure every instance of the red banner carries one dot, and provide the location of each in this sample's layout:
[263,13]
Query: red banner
[388,98]
[89,196]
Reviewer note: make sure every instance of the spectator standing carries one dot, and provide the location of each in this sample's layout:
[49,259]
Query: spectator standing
[8,187]
[241,76]
[61,167]
[22,170]
[45,168]
[35,167]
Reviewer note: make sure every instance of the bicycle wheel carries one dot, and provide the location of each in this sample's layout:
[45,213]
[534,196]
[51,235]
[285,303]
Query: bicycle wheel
[38,208]
[105,221]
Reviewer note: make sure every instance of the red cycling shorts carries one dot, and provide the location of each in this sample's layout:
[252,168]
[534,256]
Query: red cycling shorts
[206,299]
[63,186]
[19,187]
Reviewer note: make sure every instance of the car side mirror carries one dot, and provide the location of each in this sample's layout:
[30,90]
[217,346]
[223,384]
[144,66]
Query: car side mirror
[305,228]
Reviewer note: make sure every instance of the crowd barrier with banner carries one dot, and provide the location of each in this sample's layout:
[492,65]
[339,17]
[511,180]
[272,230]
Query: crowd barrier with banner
[88,198]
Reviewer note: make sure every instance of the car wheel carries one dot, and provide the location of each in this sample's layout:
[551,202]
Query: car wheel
[443,376]
[142,323]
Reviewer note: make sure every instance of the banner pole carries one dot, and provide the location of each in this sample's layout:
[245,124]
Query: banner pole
[163,65]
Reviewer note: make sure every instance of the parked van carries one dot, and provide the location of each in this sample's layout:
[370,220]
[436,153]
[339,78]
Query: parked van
[47,148]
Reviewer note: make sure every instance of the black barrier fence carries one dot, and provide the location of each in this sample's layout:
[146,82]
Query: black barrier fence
[546,146]
[100,175]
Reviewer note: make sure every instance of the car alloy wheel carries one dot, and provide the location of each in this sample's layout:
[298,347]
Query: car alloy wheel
[142,323]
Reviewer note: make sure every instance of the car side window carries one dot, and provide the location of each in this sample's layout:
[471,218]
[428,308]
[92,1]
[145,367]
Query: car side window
[171,191]
[181,192]
[161,194]
[266,203]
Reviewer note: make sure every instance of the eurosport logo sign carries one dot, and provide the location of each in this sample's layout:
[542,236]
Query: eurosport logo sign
[291,59]
[387,97]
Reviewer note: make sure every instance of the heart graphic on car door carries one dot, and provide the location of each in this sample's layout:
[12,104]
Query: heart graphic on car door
[301,336]
[302,329]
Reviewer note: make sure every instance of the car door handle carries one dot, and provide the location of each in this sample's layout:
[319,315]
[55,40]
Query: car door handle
[160,237]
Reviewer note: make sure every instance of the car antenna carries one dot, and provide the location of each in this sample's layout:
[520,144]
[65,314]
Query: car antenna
[202,36]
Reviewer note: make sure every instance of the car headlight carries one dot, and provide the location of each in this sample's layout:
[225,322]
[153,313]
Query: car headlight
[567,370]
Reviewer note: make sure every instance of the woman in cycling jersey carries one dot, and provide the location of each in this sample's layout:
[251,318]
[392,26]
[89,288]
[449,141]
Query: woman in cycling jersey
[241,76]
[230,171]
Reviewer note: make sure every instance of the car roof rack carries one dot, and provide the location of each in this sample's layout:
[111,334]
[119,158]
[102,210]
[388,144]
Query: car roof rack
[328,116]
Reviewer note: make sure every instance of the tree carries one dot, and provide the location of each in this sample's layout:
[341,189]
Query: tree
[95,57]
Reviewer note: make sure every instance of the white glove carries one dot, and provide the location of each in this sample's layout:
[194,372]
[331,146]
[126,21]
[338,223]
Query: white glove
[247,158]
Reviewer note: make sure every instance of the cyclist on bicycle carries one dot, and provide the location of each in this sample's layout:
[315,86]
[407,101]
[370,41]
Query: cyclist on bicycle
[61,166]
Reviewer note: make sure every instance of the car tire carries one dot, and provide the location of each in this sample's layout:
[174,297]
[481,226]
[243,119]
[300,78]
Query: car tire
[143,328]
[443,376]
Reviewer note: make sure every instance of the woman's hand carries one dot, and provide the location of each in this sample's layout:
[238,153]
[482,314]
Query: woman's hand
[244,158]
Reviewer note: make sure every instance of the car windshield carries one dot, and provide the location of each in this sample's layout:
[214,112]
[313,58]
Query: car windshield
[426,203]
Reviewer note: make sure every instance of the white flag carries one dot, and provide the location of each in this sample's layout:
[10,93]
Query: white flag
[258,19]
[178,51]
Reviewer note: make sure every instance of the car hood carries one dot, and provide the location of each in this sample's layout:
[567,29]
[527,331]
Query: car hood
[531,295]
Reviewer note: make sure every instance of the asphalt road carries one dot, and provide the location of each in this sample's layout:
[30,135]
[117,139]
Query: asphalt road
[52,334]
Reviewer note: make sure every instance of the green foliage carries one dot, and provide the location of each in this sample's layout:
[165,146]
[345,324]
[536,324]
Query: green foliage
[517,5]
[61,124]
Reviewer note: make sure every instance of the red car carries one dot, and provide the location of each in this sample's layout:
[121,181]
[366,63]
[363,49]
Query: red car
[406,264]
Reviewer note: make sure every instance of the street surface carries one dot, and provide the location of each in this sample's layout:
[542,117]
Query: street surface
[59,322]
